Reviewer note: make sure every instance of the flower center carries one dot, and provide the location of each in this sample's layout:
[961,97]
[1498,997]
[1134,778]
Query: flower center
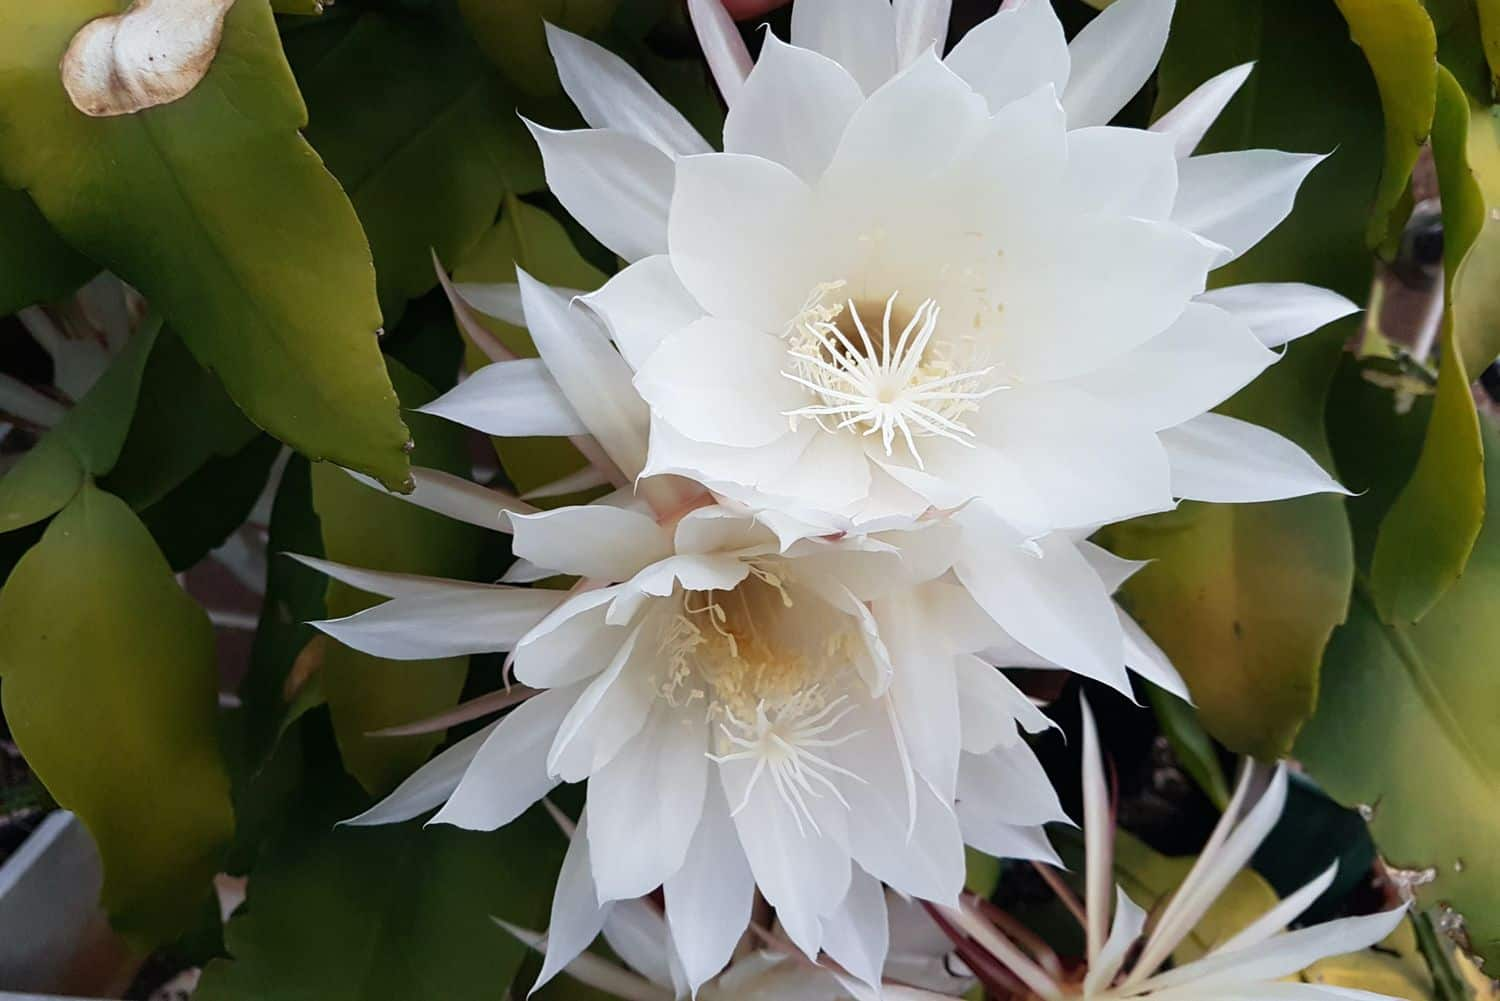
[900,379]
[766,669]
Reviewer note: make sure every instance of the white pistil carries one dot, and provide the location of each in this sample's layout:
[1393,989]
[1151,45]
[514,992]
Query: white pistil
[900,388]
[791,748]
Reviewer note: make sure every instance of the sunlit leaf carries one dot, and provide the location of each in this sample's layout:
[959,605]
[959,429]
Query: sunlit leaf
[111,689]
[219,212]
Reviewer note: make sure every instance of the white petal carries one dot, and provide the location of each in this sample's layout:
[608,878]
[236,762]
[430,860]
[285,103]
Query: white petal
[595,541]
[1113,56]
[577,915]
[428,786]
[1006,841]
[1010,55]
[610,711]
[832,473]
[856,936]
[1284,954]
[1187,122]
[793,109]
[586,478]
[387,585]
[1121,172]
[1129,920]
[1217,458]
[1113,570]
[1053,604]
[612,95]
[920,25]
[453,622]
[990,705]
[739,239]
[723,47]
[709,899]
[694,573]
[511,398]
[803,873]
[592,374]
[636,931]
[1278,312]
[1235,199]
[646,802]
[1090,462]
[1098,837]
[924,691]
[1140,275]
[1007,786]
[1284,913]
[458,498]
[904,835]
[502,300]
[572,643]
[722,383]
[643,304]
[859,35]
[617,186]
[904,132]
[509,773]
[1194,365]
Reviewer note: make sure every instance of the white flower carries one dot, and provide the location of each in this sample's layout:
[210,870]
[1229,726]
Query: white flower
[910,281]
[808,719]
[920,961]
[1125,964]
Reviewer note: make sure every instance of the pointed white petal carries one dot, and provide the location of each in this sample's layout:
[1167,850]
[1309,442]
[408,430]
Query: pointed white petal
[1145,658]
[636,931]
[728,59]
[590,372]
[709,898]
[572,642]
[857,935]
[991,705]
[1012,54]
[645,804]
[452,622]
[1187,122]
[1235,199]
[616,185]
[1121,172]
[1283,914]
[510,398]
[596,541]
[1053,603]
[387,585]
[924,691]
[920,25]
[612,95]
[587,478]
[428,786]
[1194,365]
[1217,458]
[1129,920]
[1113,56]
[458,498]
[1098,837]
[509,772]
[501,300]
[1278,312]
[793,109]
[1006,786]
[611,710]
[577,915]
[859,35]
[643,304]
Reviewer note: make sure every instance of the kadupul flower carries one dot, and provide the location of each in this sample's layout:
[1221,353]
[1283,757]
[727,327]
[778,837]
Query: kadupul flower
[912,280]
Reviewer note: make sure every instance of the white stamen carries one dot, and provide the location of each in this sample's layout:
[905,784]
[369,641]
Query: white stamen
[907,389]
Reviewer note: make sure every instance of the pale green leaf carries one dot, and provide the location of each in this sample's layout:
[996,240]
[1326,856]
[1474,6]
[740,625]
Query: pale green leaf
[1406,727]
[35,264]
[111,689]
